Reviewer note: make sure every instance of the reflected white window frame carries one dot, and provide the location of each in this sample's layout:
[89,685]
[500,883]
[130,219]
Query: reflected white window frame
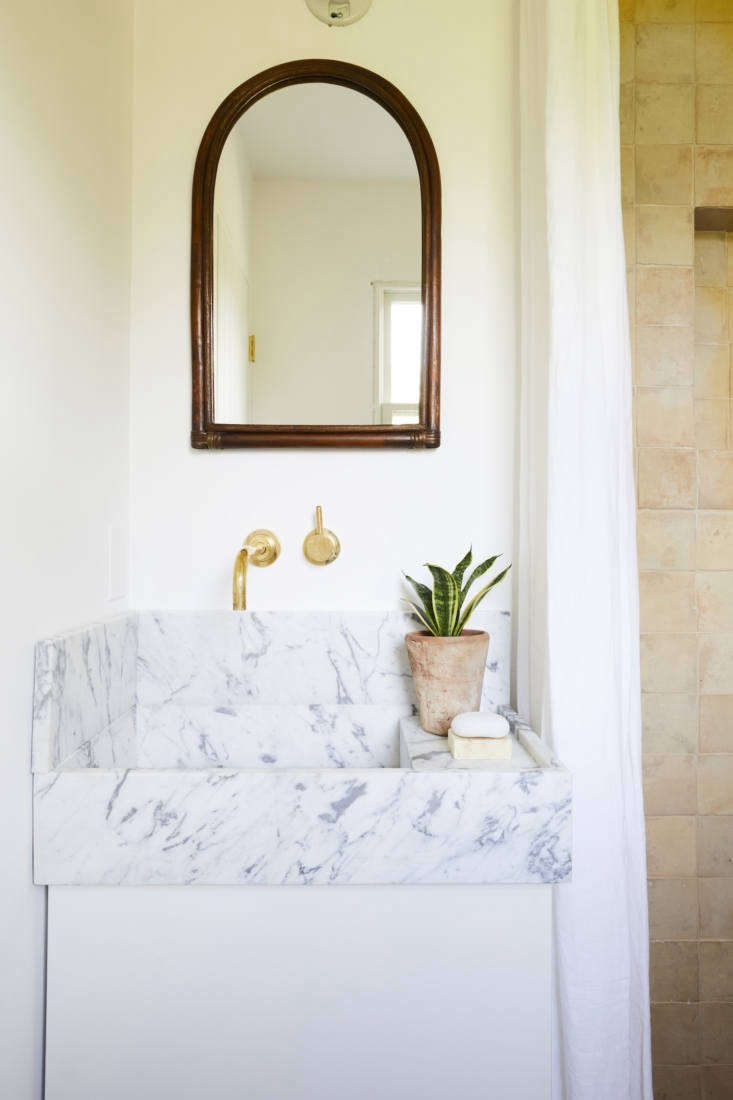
[224,337]
[386,411]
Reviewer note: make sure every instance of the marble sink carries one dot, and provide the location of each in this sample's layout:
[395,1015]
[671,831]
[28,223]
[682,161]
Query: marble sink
[275,748]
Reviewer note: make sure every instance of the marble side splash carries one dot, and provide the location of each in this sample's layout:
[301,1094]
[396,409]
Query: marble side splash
[84,682]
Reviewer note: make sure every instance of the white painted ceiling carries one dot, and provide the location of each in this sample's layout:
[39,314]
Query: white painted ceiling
[323,131]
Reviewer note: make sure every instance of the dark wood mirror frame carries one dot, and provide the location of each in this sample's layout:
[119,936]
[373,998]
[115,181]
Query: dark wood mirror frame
[206,432]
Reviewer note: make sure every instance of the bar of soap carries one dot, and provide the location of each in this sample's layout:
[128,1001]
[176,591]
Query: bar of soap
[477,736]
[480,724]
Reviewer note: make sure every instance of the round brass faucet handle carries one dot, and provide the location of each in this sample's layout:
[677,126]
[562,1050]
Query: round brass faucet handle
[262,546]
[321,546]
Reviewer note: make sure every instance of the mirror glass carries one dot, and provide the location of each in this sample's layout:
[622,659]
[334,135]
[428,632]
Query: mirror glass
[317,313]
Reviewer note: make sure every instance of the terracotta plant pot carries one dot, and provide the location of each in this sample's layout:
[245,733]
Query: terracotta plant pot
[448,674]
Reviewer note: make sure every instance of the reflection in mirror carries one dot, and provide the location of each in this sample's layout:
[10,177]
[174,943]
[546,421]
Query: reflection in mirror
[317,264]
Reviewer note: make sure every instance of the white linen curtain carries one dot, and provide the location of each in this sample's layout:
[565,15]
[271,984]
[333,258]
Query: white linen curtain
[578,642]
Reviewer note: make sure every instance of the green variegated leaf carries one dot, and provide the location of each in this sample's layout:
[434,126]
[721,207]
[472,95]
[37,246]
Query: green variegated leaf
[420,614]
[475,574]
[426,598]
[473,604]
[445,600]
[460,569]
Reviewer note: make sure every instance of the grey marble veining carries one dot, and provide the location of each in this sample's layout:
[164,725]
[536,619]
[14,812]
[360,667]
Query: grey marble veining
[84,681]
[171,735]
[265,748]
[113,747]
[273,827]
[301,658]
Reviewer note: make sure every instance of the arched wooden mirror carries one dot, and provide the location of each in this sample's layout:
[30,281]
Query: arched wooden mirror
[315,265]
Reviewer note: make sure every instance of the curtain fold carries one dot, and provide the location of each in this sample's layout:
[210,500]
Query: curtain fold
[578,636]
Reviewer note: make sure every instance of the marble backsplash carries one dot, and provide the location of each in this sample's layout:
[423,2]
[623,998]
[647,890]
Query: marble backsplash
[235,689]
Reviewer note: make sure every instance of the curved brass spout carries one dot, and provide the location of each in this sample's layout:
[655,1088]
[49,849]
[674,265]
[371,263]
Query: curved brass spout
[261,547]
[239,581]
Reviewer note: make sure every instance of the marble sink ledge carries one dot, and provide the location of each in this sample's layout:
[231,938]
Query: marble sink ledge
[434,823]
[263,748]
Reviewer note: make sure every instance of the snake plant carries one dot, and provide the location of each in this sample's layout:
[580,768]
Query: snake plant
[443,610]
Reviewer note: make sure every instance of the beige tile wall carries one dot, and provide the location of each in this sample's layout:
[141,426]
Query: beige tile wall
[677,151]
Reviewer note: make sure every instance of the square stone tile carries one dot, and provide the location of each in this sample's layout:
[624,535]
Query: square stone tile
[665,355]
[714,53]
[666,540]
[716,724]
[714,602]
[665,52]
[667,479]
[714,845]
[711,262]
[668,664]
[714,114]
[665,114]
[716,971]
[714,784]
[717,1033]
[666,296]
[715,475]
[717,1083]
[716,663]
[712,370]
[663,174]
[673,913]
[673,972]
[675,1034]
[665,417]
[667,602]
[664,235]
[716,908]
[711,423]
[676,1082]
[713,175]
[669,786]
[711,314]
[669,723]
[671,850]
[714,540]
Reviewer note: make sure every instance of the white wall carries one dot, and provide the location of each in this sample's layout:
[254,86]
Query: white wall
[391,510]
[65,88]
[318,245]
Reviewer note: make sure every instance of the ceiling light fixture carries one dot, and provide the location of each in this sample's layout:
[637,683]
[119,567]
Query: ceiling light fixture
[339,13]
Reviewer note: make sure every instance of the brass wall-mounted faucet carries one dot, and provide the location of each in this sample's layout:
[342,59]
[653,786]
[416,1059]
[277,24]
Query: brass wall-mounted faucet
[261,547]
[321,546]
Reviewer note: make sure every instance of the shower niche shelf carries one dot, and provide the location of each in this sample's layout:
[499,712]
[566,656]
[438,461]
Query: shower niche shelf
[716,219]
